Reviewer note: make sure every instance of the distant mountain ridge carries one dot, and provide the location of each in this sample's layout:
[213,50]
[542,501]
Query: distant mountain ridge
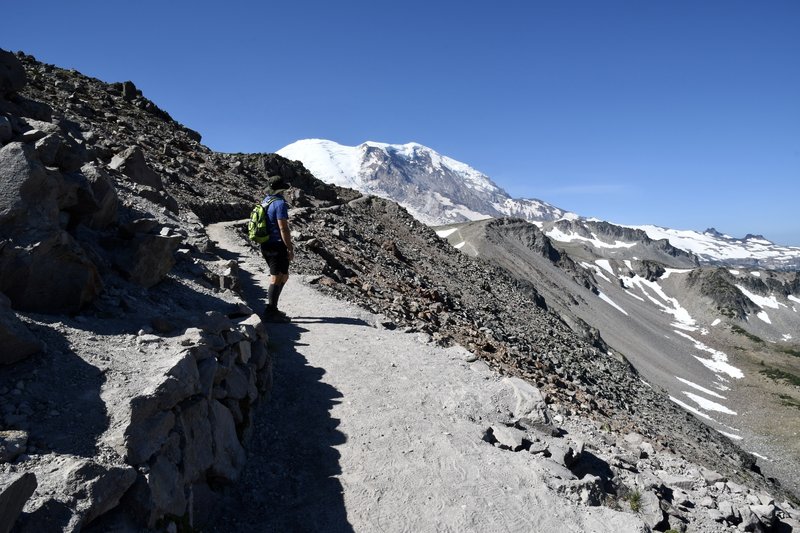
[438,190]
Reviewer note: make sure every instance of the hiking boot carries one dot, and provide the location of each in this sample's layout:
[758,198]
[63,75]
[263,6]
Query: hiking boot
[274,315]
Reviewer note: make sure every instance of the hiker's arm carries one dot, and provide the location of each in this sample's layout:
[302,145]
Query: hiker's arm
[286,236]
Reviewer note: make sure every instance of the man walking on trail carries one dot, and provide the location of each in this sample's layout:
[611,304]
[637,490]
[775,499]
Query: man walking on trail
[278,250]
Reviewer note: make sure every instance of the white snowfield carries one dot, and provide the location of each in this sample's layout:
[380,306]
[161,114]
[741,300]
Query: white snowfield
[716,247]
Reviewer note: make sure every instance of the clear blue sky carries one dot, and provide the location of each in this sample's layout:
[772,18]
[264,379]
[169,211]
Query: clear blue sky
[681,113]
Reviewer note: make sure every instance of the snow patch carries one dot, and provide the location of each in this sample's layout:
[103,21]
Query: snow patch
[692,409]
[756,274]
[668,304]
[708,405]
[444,233]
[716,322]
[764,316]
[731,435]
[786,337]
[595,269]
[670,271]
[794,298]
[761,301]
[612,303]
[734,272]
[605,265]
[719,360]
[701,389]
[459,245]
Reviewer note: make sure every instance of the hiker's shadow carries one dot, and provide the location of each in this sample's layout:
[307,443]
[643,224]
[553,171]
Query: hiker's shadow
[291,452]
[329,320]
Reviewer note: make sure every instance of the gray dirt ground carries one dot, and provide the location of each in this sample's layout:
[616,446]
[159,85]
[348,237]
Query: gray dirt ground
[376,430]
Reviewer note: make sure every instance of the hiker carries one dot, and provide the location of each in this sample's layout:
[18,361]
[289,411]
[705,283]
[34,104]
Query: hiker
[278,249]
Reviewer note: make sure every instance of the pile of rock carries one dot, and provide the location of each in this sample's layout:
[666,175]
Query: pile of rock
[90,236]
[626,472]
[175,432]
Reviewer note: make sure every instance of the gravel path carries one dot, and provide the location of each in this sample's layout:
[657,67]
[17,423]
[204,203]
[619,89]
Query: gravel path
[376,430]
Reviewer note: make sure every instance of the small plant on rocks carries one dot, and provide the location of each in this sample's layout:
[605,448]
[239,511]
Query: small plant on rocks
[635,501]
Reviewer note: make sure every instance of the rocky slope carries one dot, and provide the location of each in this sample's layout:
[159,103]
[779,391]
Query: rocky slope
[136,364]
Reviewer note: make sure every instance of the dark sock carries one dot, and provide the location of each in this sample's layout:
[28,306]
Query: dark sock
[273,293]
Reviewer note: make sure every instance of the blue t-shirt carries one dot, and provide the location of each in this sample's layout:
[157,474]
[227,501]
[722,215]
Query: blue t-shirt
[277,210]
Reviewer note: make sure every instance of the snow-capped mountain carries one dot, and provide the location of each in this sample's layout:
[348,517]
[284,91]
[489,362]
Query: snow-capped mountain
[438,190]
[435,189]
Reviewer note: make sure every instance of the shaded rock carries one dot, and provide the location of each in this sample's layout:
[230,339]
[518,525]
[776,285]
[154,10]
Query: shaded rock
[160,198]
[47,148]
[74,491]
[12,74]
[141,417]
[131,162]
[76,197]
[229,456]
[27,192]
[236,383]
[146,259]
[105,196]
[99,488]
[51,275]
[17,342]
[15,489]
[197,451]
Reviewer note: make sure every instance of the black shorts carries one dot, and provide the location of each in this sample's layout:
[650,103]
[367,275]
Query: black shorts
[277,257]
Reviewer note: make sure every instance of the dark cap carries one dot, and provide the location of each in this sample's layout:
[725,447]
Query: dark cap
[276,185]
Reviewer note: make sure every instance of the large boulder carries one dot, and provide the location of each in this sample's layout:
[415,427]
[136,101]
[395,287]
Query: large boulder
[17,342]
[12,74]
[131,162]
[28,194]
[528,407]
[42,268]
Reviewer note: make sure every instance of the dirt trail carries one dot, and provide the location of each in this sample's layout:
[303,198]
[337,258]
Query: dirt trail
[376,430]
